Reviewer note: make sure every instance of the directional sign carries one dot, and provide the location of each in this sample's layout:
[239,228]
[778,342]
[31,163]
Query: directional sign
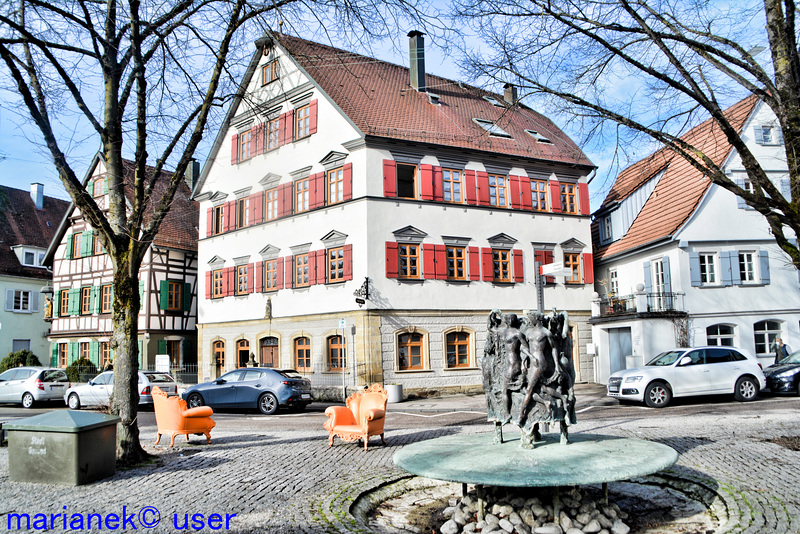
[555,269]
[342,323]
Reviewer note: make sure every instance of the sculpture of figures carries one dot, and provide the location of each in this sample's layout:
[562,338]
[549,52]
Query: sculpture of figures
[528,375]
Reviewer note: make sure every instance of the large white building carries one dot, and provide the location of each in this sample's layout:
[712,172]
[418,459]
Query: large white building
[359,220]
[682,261]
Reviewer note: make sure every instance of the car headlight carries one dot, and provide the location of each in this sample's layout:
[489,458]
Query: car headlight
[785,374]
[633,379]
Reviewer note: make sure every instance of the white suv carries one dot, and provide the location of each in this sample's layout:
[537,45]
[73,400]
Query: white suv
[687,372]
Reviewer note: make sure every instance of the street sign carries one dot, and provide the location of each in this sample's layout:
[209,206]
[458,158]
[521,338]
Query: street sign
[555,269]
[342,323]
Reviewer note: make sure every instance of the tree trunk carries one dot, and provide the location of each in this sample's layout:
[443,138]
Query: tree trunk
[125,401]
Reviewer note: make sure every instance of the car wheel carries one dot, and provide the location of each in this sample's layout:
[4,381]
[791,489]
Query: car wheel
[27,400]
[74,402]
[746,389]
[268,404]
[194,400]
[657,395]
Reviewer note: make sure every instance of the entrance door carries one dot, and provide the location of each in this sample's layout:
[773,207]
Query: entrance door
[620,344]
[269,352]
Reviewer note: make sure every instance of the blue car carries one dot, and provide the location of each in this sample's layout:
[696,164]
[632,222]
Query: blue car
[253,387]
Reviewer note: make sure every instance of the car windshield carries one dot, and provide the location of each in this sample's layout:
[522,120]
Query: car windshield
[666,358]
[792,358]
[290,373]
[159,377]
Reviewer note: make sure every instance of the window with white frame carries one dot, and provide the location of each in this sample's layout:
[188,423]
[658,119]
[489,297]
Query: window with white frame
[765,333]
[607,229]
[720,335]
[708,272]
[747,267]
[21,301]
[613,281]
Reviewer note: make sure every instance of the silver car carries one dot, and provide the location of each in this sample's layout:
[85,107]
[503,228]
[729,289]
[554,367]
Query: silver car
[685,372]
[98,391]
[29,385]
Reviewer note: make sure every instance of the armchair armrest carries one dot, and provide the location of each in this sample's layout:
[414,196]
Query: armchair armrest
[200,411]
[374,413]
[338,415]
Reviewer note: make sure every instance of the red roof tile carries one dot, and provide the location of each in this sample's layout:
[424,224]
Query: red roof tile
[22,224]
[378,98]
[679,190]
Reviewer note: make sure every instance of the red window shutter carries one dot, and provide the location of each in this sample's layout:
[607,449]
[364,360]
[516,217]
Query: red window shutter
[583,198]
[546,257]
[257,205]
[254,139]
[588,268]
[312,191]
[250,277]
[234,149]
[438,186]
[231,281]
[514,200]
[483,188]
[320,189]
[230,210]
[474,263]
[259,139]
[209,222]
[519,268]
[428,262]
[525,192]
[441,262]
[208,285]
[426,181]
[312,117]
[288,130]
[389,178]
[280,126]
[320,267]
[285,200]
[488,267]
[391,260]
[288,279]
[555,196]
[347,184]
[470,188]
[259,277]
[279,273]
[348,262]
[312,268]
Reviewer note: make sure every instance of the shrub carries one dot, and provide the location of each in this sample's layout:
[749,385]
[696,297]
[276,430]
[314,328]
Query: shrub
[19,358]
[79,370]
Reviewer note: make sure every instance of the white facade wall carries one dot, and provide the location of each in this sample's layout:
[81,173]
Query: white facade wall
[22,326]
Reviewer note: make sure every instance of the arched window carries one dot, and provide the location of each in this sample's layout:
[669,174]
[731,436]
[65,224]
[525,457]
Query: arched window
[409,351]
[457,349]
[720,335]
[219,353]
[269,352]
[242,352]
[765,333]
[337,359]
[302,354]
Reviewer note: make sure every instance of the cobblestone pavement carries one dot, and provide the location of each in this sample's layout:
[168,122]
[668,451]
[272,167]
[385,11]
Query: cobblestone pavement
[292,482]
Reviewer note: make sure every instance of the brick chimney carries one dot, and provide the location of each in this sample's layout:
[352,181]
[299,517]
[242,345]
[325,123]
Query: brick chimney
[192,173]
[416,48]
[510,95]
[37,194]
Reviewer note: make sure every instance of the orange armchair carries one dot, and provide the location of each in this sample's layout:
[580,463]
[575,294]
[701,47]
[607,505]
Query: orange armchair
[173,418]
[363,417]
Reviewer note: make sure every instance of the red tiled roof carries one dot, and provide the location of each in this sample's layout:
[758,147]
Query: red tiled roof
[179,229]
[378,98]
[22,224]
[679,190]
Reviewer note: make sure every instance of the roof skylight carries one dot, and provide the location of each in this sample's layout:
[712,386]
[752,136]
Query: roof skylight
[539,137]
[493,129]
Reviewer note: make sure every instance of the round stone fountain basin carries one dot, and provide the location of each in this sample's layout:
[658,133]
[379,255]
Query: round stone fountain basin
[588,459]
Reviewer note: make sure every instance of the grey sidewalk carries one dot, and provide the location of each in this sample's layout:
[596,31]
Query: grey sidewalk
[292,482]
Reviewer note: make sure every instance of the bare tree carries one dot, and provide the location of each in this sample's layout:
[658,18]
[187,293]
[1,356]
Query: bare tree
[146,78]
[655,67]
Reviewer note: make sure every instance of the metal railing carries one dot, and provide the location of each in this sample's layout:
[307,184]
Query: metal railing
[184,374]
[617,305]
[664,302]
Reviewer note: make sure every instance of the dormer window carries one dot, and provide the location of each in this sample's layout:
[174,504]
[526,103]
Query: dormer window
[493,129]
[270,72]
[539,137]
[493,101]
[767,134]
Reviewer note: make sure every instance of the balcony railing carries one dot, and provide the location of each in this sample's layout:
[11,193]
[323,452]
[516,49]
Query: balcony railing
[617,305]
[664,302]
[639,303]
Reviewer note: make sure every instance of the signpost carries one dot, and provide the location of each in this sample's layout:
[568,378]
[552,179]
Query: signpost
[550,269]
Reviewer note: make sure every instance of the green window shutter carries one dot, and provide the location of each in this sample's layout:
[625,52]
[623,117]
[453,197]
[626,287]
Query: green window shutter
[95,306]
[94,352]
[141,294]
[74,351]
[91,187]
[54,355]
[68,254]
[162,346]
[56,303]
[105,185]
[163,301]
[86,244]
[74,301]
[187,297]
[140,353]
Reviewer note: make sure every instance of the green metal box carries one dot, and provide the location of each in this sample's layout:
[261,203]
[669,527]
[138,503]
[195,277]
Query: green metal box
[62,447]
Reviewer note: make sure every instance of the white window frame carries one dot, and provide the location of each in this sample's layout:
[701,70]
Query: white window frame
[613,281]
[708,268]
[715,339]
[753,267]
[32,304]
[608,229]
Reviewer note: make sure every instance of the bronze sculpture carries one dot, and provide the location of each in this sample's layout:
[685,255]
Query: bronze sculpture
[528,376]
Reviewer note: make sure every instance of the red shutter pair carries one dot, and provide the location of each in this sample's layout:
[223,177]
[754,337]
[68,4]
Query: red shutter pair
[544,257]
[285,200]
[474,263]
[434,262]
[515,192]
[555,196]
[257,207]
[483,188]
[321,267]
[286,128]
[316,190]
[470,187]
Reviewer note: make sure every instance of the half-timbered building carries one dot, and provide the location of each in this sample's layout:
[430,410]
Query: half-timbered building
[82,284]
[359,220]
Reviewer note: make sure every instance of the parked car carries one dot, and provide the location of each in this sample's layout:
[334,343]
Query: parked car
[784,377]
[98,391]
[253,387]
[29,385]
[686,372]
